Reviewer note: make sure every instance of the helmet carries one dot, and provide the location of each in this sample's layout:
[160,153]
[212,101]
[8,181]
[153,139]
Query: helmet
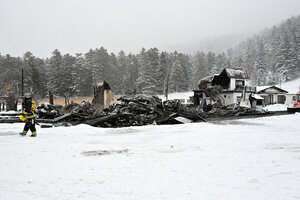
[28,95]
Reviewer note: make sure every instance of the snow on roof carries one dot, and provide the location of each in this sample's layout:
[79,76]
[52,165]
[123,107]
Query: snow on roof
[257,97]
[236,73]
[261,88]
[291,86]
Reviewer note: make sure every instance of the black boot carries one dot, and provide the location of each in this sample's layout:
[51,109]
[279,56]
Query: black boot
[33,134]
[23,133]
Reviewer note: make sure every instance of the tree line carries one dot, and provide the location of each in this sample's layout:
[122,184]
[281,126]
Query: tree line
[149,72]
[269,58]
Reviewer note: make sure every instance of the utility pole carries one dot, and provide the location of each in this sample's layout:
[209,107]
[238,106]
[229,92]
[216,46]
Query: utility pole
[22,82]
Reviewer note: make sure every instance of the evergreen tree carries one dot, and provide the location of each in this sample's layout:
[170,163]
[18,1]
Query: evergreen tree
[149,64]
[211,63]
[54,70]
[123,71]
[165,65]
[154,72]
[133,69]
[200,68]
[68,76]
[83,83]
[260,66]
[177,76]
[186,65]
[114,80]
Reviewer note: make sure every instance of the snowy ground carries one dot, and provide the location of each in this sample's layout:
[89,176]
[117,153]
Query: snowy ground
[177,95]
[276,107]
[240,159]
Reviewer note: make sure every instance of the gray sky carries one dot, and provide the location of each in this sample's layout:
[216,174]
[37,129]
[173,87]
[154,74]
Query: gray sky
[75,26]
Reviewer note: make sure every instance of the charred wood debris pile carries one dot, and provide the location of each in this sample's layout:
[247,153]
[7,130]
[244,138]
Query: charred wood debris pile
[135,111]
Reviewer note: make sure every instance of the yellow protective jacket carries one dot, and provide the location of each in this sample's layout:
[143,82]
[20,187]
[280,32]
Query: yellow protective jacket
[31,114]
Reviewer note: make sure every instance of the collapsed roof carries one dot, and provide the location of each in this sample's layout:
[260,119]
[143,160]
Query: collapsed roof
[224,77]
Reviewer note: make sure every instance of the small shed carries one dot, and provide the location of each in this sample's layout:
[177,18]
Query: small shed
[256,101]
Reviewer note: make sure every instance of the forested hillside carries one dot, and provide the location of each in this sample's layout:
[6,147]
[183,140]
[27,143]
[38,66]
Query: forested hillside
[270,57]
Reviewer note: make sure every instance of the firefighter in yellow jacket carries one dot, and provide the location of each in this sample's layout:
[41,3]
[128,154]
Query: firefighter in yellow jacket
[28,115]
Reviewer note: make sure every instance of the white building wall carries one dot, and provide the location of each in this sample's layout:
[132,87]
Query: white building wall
[232,84]
[246,102]
[289,99]
[231,98]
[228,97]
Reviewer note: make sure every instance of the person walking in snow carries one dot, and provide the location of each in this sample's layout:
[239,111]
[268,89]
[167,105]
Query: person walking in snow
[28,115]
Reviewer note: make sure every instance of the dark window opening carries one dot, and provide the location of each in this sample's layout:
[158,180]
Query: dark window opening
[281,99]
[259,102]
[240,82]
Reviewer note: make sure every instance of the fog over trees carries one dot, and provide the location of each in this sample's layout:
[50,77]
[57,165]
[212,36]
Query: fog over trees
[270,57]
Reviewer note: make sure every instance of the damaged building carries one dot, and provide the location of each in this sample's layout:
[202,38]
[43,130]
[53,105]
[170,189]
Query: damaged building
[228,87]
[103,97]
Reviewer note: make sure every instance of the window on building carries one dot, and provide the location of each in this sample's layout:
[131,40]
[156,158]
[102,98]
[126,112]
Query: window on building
[259,102]
[239,83]
[281,99]
[271,98]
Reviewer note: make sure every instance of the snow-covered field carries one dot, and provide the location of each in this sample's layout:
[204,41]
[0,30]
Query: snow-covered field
[240,159]
[177,95]
[276,107]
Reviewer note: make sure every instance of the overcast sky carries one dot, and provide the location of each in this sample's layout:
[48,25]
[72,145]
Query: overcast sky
[75,26]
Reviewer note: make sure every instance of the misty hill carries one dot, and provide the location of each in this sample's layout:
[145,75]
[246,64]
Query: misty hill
[217,44]
[272,56]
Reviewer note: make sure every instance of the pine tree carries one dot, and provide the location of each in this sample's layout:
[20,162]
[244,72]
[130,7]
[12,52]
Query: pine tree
[211,63]
[165,65]
[200,67]
[123,71]
[54,77]
[187,67]
[68,76]
[177,76]
[114,80]
[154,72]
[83,83]
[133,69]
[284,64]
[260,65]
[149,65]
